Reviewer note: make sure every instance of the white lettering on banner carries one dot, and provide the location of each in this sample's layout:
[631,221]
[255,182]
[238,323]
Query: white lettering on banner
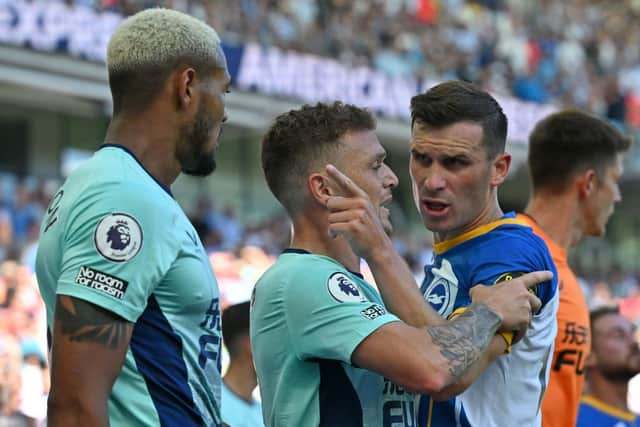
[49,25]
[315,79]
[312,79]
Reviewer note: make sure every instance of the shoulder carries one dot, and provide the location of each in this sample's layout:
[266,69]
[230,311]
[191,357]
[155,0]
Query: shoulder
[513,236]
[308,277]
[308,268]
[115,174]
[513,245]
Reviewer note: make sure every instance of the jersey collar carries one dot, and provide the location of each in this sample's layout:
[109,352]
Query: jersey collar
[126,150]
[306,252]
[445,245]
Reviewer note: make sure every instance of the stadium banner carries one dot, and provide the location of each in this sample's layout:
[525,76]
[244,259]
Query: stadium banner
[82,32]
[312,78]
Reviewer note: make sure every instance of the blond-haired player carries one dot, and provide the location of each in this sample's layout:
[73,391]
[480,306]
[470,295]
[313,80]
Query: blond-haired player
[132,302]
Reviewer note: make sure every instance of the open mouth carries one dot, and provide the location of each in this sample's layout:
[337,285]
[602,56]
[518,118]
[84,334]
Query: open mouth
[433,207]
[386,206]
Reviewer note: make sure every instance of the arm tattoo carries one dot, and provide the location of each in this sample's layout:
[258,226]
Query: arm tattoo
[85,322]
[463,340]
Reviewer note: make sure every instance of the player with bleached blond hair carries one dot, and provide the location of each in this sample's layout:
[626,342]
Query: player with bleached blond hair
[132,302]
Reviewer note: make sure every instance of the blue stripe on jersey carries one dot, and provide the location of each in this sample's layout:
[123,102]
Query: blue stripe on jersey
[339,402]
[441,415]
[463,417]
[157,350]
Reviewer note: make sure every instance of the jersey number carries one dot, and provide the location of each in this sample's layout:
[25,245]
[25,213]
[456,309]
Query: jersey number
[210,344]
[52,210]
[398,413]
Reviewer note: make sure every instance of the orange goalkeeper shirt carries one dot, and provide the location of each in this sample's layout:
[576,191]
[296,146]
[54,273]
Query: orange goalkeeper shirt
[566,380]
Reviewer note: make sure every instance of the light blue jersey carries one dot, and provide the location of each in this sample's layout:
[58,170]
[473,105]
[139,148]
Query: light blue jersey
[308,316]
[115,237]
[237,412]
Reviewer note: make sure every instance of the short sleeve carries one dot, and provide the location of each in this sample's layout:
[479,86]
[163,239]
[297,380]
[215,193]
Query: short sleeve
[521,255]
[329,317]
[117,247]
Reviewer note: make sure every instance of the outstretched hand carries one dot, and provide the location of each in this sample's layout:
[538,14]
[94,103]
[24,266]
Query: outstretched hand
[512,300]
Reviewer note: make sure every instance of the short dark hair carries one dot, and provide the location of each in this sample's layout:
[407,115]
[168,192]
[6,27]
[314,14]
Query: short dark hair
[605,310]
[300,138]
[235,325]
[458,101]
[569,142]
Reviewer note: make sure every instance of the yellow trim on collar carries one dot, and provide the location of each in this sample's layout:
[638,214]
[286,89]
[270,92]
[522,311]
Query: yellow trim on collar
[444,246]
[608,409]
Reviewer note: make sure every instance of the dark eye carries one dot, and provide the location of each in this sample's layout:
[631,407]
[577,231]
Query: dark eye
[455,162]
[420,157]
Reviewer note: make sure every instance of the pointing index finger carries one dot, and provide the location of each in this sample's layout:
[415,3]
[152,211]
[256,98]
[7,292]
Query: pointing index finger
[530,280]
[348,187]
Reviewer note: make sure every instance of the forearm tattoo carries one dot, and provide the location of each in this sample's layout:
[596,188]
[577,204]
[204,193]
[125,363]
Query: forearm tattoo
[85,322]
[463,340]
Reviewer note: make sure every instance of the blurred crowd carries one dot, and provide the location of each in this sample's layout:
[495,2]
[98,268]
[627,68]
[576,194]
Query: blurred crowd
[583,53]
[24,378]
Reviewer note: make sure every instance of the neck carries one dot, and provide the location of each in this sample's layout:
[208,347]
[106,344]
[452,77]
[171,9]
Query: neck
[612,393]
[312,235]
[241,379]
[560,223]
[490,213]
[149,138]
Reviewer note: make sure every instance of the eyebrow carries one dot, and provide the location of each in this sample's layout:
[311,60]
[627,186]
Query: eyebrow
[446,153]
[618,328]
[380,156]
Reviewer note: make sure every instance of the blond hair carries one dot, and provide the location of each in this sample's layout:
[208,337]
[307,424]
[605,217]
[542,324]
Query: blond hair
[159,38]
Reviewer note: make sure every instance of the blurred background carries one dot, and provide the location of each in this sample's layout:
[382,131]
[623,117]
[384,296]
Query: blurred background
[533,56]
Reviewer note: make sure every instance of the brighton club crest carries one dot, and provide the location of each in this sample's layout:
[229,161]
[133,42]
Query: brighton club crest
[118,237]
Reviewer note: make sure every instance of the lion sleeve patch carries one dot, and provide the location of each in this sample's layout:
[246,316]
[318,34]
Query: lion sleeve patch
[118,237]
[343,289]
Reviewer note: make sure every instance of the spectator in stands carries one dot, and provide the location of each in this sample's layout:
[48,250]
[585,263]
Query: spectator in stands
[10,383]
[239,408]
[34,383]
[6,231]
[614,360]
[26,211]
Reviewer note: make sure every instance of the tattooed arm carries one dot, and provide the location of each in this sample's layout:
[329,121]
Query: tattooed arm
[431,359]
[89,347]
[428,360]
[495,349]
